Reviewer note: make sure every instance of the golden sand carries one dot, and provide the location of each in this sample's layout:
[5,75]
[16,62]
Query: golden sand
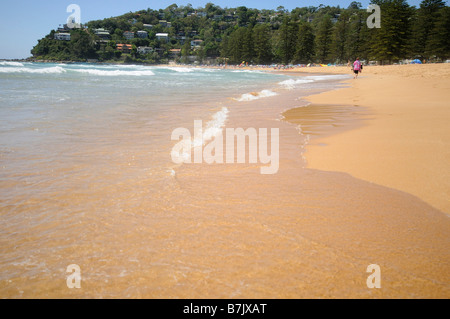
[404,140]
[227,231]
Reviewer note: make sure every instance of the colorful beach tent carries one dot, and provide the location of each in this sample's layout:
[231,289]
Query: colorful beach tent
[416,61]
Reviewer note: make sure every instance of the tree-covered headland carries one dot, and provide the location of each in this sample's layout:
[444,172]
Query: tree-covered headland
[304,35]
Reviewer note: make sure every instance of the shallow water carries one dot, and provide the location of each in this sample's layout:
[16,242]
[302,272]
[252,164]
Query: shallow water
[87,178]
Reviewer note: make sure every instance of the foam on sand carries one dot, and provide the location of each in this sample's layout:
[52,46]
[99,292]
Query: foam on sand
[212,129]
[256,95]
[293,83]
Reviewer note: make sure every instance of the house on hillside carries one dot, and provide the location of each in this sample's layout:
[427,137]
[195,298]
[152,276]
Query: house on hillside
[142,34]
[163,37]
[63,28]
[102,34]
[62,36]
[128,35]
[196,43]
[144,50]
[124,48]
[165,24]
[174,53]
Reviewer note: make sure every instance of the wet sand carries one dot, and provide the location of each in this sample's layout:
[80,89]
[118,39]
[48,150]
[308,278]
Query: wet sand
[403,138]
[225,230]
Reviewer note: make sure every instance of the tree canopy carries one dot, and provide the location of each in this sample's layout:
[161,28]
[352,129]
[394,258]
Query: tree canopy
[323,34]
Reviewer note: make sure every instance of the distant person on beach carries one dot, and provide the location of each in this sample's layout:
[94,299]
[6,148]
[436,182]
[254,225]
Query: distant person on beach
[357,66]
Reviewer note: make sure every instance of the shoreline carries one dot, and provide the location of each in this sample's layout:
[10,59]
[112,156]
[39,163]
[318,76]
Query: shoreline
[147,227]
[403,142]
[344,150]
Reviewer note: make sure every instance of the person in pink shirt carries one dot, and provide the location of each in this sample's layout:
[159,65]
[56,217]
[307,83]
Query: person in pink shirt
[357,67]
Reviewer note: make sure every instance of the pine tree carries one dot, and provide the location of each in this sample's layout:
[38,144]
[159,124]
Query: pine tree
[424,23]
[339,37]
[438,44]
[353,41]
[262,45]
[287,40]
[185,51]
[305,44]
[391,41]
[323,39]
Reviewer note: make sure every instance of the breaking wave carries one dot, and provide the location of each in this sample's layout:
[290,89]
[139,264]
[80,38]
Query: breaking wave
[212,129]
[292,83]
[8,63]
[115,72]
[51,70]
[256,95]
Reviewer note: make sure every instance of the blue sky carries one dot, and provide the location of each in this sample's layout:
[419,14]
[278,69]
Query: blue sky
[23,22]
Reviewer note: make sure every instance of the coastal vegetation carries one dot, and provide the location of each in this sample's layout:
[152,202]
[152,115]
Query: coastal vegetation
[213,34]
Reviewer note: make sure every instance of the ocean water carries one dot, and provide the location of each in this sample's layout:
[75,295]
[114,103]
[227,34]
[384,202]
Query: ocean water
[87,178]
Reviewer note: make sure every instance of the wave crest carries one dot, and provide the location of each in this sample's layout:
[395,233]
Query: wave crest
[115,72]
[256,95]
[51,70]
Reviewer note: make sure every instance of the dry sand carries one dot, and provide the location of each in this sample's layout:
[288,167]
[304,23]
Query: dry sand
[403,140]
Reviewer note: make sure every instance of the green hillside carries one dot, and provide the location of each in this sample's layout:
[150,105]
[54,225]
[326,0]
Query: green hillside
[217,35]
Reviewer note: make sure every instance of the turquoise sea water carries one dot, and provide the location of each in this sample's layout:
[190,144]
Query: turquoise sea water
[86,168]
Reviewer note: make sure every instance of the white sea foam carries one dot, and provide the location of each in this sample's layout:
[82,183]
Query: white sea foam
[328,77]
[51,70]
[182,70]
[248,71]
[10,63]
[115,72]
[208,70]
[212,129]
[256,95]
[215,126]
[292,83]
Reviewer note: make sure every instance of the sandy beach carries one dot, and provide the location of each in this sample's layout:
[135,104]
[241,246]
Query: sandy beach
[102,192]
[402,137]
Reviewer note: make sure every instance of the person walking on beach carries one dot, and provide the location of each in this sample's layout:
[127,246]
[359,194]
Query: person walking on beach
[356,68]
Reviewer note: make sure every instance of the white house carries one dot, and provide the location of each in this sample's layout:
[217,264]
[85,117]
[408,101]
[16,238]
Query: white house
[165,24]
[142,34]
[102,34]
[148,26]
[62,36]
[162,37]
[144,50]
